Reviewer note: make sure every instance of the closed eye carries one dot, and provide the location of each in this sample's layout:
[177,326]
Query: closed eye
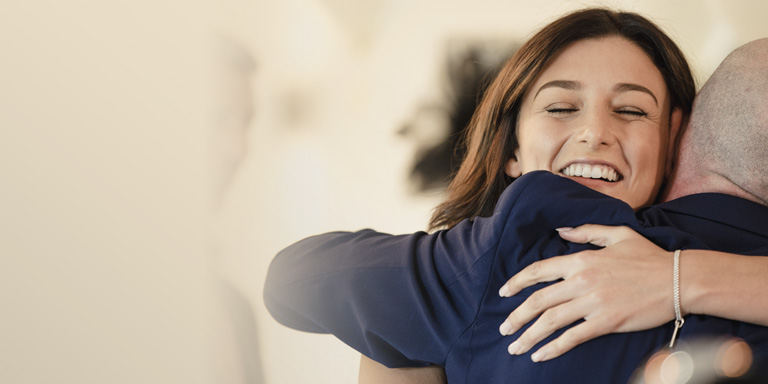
[632,112]
[561,111]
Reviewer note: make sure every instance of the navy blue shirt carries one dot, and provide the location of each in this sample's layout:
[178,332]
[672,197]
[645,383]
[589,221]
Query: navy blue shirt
[419,299]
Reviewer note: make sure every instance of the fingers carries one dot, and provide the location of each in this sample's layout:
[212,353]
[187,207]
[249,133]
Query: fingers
[539,272]
[550,321]
[600,235]
[539,301]
[574,336]
[559,267]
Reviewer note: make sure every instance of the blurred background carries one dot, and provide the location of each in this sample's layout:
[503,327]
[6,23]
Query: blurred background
[155,157]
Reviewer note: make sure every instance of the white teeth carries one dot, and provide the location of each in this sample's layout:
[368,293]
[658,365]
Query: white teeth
[606,174]
[577,170]
[592,171]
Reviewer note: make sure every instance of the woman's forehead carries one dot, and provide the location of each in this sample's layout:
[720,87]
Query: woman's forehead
[608,62]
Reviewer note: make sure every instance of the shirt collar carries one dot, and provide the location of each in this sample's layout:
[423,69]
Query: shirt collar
[730,210]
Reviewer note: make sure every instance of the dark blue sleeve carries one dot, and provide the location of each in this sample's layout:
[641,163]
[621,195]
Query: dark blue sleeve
[401,300]
[405,300]
[380,294]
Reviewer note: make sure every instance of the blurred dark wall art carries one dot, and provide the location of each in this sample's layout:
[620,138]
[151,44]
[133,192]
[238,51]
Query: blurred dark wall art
[437,127]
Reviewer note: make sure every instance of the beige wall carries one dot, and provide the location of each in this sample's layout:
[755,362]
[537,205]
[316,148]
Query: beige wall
[102,200]
[106,233]
[361,68]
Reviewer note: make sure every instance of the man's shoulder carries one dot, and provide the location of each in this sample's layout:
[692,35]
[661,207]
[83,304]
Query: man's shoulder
[724,222]
[555,200]
[713,206]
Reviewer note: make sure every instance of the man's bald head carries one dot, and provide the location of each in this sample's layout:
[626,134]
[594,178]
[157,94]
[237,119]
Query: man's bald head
[726,141]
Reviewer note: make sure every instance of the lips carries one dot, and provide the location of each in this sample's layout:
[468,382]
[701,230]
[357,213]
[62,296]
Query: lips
[592,171]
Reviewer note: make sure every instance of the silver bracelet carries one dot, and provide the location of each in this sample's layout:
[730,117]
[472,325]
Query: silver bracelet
[679,321]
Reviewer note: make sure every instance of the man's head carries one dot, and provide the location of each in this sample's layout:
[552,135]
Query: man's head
[725,147]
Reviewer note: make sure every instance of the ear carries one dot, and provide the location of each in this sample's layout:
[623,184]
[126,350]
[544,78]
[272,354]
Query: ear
[675,132]
[513,168]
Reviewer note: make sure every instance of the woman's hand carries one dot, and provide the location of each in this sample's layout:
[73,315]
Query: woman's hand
[625,287]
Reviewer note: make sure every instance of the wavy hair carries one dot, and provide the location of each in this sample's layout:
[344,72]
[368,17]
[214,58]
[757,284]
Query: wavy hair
[491,139]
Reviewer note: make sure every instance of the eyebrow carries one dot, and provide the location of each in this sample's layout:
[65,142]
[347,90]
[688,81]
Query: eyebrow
[565,84]
[624,87]
[575,86]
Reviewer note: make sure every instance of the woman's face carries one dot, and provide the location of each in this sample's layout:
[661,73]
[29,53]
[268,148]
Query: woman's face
[598,114]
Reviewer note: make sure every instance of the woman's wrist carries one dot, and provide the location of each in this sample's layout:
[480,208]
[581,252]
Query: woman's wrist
[695,280]
[722,284]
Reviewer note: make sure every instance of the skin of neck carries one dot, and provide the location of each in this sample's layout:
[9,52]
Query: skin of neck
[691,177]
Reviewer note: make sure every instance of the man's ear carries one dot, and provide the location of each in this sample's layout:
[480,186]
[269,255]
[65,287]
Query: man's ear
[513,168]
[676,128]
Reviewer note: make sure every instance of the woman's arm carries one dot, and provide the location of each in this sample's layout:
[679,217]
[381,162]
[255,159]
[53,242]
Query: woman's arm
[627,286]
[372,372]
[392,298]
[725,285]
[404,300]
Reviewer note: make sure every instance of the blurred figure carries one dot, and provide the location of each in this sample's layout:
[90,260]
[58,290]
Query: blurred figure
[232,113]
[235,344]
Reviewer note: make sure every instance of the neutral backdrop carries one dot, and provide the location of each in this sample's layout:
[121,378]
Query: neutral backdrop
[114,221]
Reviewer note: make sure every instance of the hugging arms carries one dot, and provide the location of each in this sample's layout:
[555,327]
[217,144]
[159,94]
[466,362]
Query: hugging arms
[424,299]
[440,291]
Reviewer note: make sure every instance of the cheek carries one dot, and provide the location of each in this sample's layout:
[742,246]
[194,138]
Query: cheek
[539,145]
[649,149]
[648,157]
[537,156]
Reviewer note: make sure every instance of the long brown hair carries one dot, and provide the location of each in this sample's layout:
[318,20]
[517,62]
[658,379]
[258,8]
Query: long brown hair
[491,137]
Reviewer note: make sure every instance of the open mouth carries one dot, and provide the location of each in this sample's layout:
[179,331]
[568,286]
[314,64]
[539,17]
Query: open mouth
[592,171]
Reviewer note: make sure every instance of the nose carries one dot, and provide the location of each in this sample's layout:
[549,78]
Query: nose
[597,130]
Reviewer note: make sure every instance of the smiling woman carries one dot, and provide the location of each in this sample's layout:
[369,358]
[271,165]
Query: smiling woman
[594,116]
[596,92]
[608,69]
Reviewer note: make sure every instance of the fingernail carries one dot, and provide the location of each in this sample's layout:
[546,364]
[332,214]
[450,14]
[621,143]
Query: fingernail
[504,291]
[505,329]
[514,348]
[539,355]
[563,229]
